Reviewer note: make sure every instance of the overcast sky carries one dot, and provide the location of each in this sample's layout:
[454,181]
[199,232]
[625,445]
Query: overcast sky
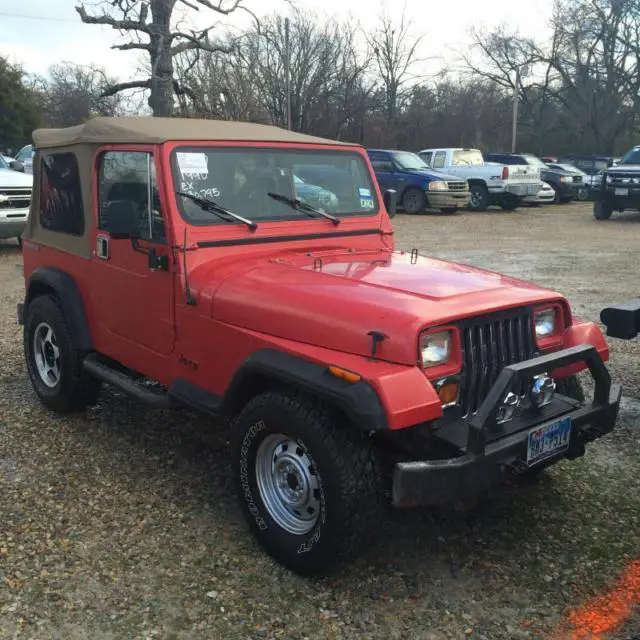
[38,33]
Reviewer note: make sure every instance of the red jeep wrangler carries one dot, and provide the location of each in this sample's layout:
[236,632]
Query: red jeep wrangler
[251,273]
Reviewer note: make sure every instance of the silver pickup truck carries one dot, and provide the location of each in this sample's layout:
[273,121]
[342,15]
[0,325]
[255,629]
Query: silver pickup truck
[490,183]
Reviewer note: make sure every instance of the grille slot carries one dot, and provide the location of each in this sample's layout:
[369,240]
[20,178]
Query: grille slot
[456,186]
[488,345]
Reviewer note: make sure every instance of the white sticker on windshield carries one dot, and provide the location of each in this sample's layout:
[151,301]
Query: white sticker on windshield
[193,164]
[365,193]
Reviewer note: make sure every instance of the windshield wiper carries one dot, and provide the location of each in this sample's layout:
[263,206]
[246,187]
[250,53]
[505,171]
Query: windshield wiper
[220,211]
[299,205]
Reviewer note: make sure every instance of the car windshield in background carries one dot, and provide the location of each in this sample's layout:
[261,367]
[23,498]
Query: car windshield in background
[409,161]
[534,161]
[463,157]
[567,167]
[241,179]
[632,157]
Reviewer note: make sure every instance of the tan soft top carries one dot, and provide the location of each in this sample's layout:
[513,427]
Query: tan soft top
[150,130]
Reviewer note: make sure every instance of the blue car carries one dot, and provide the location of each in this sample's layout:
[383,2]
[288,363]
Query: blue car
[418,187]
[315,196]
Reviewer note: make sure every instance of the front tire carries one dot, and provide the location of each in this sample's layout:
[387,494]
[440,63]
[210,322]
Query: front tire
[53,361]
[478,197]
[509,206]
[602,210]
[556,194]
[309,485]
[414,201]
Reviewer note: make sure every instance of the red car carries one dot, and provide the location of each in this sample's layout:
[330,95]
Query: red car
[183,252]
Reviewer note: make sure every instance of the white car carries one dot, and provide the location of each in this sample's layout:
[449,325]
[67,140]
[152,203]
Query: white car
[25,156]
[546,195]
[15,197]
[489,182]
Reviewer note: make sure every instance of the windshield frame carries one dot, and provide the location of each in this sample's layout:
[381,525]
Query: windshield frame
[295,216]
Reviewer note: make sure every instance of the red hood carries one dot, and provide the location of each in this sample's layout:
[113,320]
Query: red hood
[334,298]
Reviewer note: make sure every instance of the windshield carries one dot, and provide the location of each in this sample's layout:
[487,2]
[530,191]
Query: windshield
[240,179]
[631,157]
[3,164]
[534,161]
[568,167]
[462,157]
[410,161]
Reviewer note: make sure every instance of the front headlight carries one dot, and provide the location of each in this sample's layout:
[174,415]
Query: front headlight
[546,322]
[435,348]
[438,186]
[566,179]
[609,179]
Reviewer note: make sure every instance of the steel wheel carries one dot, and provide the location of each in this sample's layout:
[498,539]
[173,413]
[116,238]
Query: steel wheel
[288,484]
[46,354]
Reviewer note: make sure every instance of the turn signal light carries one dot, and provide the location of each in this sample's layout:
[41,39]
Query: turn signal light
[344,374]
[448,394]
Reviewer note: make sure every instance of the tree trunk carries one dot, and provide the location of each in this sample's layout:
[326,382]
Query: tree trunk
[161,83]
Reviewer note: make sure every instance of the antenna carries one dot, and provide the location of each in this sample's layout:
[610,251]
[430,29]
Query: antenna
[191,301]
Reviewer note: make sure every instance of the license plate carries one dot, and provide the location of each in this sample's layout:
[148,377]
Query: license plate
[622,192]
[532,189]
[548,440]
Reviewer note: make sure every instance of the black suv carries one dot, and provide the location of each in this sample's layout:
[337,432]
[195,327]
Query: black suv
[565,184]
[619,187]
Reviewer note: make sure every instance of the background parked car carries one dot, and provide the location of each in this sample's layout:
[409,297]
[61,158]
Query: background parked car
[565,183]
[546,195]
[15,197]
[583,192]
[417,186]
[489,182]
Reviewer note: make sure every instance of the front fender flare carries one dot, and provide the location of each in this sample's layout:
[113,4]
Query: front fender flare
[359,401]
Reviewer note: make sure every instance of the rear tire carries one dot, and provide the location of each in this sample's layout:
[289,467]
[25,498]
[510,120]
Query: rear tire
[601,210]
[414,201]
[53,360]
[478,197]
[310,488]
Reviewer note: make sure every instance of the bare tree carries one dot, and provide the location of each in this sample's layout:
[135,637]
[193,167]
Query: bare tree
[149,26]
[395,53]
[330,91]
[72,93]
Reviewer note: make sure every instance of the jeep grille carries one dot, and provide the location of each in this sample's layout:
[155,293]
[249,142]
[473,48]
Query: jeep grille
[457,186]
[489,344]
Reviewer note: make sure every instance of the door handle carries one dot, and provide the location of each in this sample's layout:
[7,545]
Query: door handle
[102,247]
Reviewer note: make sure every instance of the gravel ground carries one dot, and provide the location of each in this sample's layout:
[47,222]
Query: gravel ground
[121,522]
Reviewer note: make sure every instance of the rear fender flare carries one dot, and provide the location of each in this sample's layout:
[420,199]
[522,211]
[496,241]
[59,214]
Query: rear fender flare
[65,288]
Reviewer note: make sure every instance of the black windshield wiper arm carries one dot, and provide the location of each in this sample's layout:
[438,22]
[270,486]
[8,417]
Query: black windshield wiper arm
[214,207]
[303,206]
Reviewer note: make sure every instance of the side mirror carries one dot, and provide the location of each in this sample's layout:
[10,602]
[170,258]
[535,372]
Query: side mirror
[390,198]
[122,220]
[16,165]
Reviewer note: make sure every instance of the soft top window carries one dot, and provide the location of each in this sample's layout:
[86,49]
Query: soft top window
[240,179]
[61,207]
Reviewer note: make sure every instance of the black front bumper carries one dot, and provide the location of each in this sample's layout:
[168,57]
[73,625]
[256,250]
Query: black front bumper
[486,459]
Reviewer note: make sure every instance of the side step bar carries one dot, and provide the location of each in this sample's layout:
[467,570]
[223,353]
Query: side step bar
[99,369]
